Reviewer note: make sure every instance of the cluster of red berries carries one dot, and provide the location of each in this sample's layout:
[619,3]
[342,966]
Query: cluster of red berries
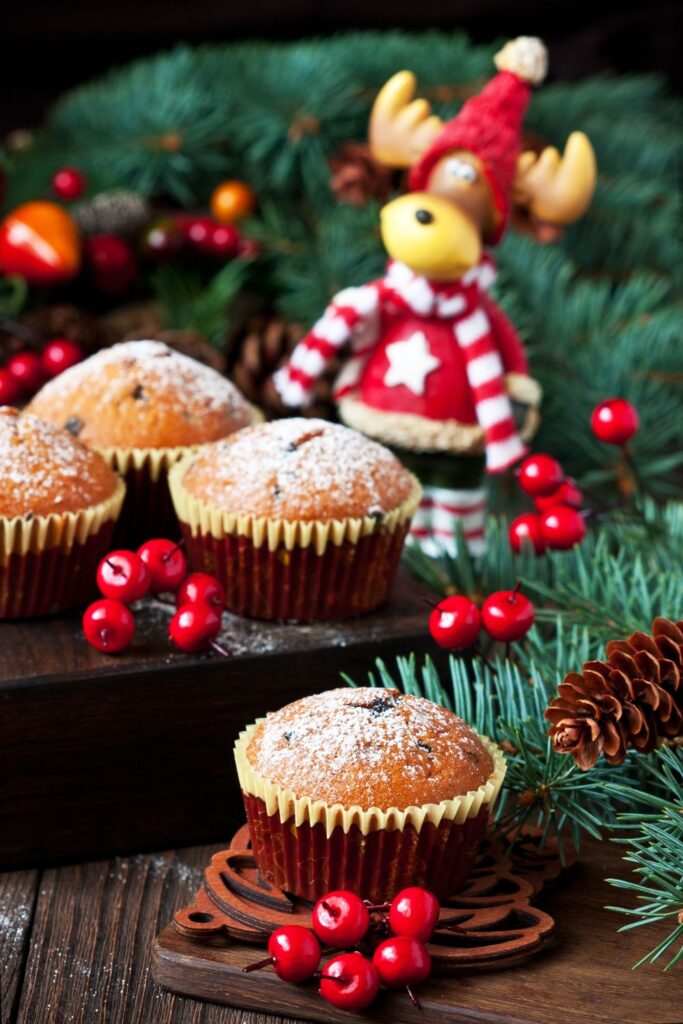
[341,920]
[27,371]
[557,523]
[456,622]
[157,567]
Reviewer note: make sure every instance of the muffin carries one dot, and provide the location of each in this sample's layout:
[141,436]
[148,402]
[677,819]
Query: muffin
[366,789]
[59,503]
[300,519]
[143,406]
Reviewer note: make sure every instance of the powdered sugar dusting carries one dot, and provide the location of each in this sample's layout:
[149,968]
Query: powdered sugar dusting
[137,389]
[45,470]
[299,468]
[370,747]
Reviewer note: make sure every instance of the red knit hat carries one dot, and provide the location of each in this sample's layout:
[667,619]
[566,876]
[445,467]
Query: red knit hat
[489,124]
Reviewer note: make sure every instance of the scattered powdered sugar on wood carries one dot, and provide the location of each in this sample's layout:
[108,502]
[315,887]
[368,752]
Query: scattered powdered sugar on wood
[352,740]
[299,466]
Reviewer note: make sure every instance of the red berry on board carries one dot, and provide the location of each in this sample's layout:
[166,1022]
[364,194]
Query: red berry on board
[166,563]
[113,264]
[349,982]
[340,918]
[414,913]
[507,615]
[402,960]
[27,370]
[455,623]
[615,421]
[201,588]
[68,183]
[194,626]
[109,626]
[295,953]
[223,241]
[562,527]
[540,475]
[60,354]
[568,493]
[525,531]
[9,389]
[123,575]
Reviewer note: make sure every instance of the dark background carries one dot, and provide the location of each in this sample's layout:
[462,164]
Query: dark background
[51,45]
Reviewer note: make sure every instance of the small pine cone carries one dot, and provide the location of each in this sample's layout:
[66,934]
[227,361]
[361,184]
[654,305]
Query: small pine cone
[633,699]
[65,321]
[261,348]
[357,176]
[194,345]
[118,212]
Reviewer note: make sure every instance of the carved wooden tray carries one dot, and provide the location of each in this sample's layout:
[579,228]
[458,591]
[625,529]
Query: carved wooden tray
[490,923]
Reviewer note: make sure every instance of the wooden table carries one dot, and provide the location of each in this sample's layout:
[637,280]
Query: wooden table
[75,948]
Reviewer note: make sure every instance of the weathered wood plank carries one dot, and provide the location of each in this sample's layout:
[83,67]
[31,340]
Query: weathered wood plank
[17,901]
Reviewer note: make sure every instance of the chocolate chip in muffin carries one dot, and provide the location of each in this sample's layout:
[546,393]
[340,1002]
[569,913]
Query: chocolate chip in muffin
[74,425]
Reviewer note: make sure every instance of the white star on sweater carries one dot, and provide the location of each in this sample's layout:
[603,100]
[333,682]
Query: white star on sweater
[410,362]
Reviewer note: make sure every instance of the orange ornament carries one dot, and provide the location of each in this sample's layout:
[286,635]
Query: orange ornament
[40,242]
[232,200]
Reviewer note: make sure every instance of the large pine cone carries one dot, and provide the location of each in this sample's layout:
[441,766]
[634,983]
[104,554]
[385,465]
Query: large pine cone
[357,176]
[62,321]
[260,349]
[633,699]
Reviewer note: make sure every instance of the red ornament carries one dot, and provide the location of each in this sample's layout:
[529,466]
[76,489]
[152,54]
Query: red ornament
[68,183]
[414,913]
[349,982]
[562,527]
[540,475]
[402,961]
[340,919]
[163,239]
[294,953]
[9,389]
[112,262]
[166,563]
[455,623]
[198,230]
[27,370]
[526,531]
[194,626]
[109,626]
[568,493]
[123,575]
[60,354]
[615,421]
[507,615]
[201,588]
[223,241]
[41,243]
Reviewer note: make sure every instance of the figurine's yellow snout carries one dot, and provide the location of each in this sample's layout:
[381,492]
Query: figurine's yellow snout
[430,235]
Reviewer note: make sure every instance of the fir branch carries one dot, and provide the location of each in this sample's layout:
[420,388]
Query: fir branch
[189,303]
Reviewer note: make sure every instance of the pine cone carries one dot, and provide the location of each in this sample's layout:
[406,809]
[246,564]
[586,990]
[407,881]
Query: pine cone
[118,212]
[357,176]
[633,699]
[65,321]
[259,351]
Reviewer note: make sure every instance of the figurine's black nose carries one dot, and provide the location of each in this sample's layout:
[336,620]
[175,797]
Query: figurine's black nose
[424,216]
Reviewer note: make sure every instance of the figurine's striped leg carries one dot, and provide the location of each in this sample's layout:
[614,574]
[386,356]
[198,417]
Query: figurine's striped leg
[441,508]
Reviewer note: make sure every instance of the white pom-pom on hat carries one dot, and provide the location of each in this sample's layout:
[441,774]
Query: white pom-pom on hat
[526,57]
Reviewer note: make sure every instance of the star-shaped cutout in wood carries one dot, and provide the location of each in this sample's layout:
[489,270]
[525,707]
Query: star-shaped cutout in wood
[410,363]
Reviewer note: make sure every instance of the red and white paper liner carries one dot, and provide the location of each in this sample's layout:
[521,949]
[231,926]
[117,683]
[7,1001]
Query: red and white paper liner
[308,847]
[304,571]
[48,563]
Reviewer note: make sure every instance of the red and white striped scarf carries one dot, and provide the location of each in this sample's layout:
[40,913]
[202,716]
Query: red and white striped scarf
[354,316]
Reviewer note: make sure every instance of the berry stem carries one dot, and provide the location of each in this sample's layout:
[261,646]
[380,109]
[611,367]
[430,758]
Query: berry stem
[432,604]
[218,649]
[372,907]
[515,590]
[20,330]
[413,998]
[116,569]
[258,966]
[331,977]
[172,551]
[331,910]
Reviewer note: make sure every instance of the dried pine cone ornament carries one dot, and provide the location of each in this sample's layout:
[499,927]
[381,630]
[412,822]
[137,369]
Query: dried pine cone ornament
[633,699]
[259,350]
[357,176]
[118,212]
[66,321]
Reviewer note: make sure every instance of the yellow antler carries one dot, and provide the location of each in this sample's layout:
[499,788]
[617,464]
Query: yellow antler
[401,130]
[557,189]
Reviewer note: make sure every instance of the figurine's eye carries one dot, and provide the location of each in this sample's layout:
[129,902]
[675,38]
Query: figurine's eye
[461,170]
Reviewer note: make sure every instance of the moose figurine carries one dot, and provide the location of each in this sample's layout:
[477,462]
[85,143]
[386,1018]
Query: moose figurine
[435,370]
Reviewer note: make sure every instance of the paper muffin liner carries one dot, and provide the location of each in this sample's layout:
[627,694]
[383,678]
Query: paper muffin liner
[297,570]
[308,847]
[48,563]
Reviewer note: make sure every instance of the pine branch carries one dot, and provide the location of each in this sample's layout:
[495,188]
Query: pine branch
[190,303]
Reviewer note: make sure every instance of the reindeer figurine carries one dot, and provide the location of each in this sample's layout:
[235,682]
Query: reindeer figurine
[435,369]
